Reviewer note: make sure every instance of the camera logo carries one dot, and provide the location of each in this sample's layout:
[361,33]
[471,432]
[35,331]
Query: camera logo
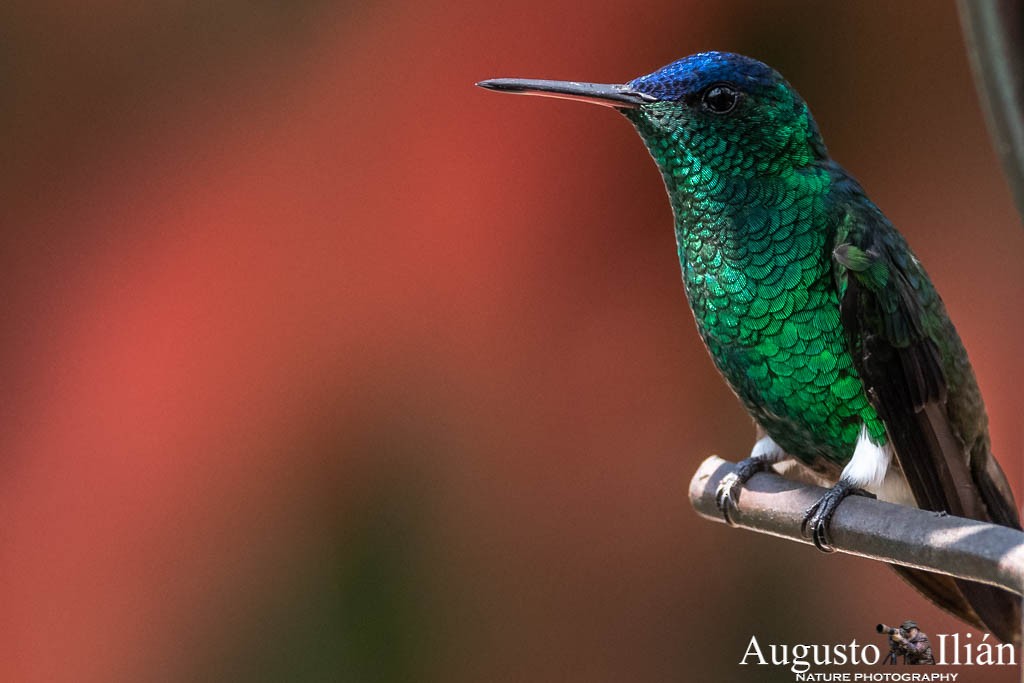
[907,642]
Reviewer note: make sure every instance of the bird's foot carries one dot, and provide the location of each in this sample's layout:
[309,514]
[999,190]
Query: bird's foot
[728,493]
[819,516]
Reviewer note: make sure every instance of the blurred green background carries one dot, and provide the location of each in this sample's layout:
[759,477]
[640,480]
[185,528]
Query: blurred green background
[321,364]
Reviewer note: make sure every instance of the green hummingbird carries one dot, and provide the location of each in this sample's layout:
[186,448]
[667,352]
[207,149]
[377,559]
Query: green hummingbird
[813,308]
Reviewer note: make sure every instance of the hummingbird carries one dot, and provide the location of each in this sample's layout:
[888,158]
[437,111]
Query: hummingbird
[814,309]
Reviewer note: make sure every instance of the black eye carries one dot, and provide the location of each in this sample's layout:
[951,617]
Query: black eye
[720,99]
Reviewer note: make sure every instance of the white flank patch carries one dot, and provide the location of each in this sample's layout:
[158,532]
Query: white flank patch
[766,449]
[869,464]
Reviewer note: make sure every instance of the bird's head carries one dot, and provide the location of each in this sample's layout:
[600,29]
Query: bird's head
[714,110]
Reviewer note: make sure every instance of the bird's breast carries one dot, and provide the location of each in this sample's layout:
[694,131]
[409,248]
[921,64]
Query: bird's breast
[766,307]
[744,285]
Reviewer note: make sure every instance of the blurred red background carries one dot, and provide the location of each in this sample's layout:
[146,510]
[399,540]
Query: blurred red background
[321,364]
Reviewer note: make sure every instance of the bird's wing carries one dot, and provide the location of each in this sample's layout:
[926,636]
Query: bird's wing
[885,305]
[896,325]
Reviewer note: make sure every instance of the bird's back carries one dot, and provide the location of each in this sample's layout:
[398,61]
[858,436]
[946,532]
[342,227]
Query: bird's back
[916,371]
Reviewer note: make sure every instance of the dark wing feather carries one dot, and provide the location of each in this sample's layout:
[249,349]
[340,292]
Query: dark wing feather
[896,327]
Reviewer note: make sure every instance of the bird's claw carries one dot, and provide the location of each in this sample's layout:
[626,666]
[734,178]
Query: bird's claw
[818,517]
[727,494]
[816,521]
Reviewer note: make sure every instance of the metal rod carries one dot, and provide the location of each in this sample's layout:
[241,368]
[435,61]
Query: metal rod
[994,33]
[871,528]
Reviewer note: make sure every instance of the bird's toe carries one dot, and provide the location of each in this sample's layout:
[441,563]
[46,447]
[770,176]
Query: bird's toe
[727,496]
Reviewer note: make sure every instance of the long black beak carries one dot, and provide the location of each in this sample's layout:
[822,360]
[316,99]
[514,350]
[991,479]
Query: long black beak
[618,96]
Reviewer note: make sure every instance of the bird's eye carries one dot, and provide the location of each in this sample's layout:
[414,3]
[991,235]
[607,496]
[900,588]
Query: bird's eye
[720,99]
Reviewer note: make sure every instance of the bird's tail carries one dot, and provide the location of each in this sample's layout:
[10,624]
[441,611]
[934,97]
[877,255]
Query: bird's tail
[985,607]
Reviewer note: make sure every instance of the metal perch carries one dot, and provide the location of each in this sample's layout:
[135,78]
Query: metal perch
[870,528]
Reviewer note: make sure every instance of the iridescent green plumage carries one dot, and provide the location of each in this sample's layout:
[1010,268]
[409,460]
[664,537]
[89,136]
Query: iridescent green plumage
[752,235]
[813,307]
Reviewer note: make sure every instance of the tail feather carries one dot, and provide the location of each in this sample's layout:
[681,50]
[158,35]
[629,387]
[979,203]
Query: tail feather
[941,590]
